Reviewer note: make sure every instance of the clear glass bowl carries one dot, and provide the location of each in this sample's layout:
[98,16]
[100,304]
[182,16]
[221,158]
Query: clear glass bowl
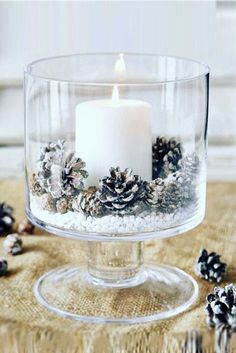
[115,148]
[143,114]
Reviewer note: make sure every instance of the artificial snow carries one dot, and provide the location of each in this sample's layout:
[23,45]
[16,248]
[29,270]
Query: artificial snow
[147,221]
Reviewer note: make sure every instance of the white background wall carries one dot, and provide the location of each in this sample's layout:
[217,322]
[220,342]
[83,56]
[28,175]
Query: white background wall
[30,30]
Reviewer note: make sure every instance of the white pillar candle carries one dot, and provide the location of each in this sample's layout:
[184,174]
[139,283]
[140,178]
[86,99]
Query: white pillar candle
[114,132]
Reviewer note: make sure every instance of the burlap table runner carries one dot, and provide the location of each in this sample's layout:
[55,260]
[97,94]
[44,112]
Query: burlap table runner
[43,252]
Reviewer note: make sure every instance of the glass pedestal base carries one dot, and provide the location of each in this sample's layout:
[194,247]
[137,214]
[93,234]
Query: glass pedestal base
[154,293]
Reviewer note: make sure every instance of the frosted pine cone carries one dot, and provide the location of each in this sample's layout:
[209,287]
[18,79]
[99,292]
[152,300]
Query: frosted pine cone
[6,218]
[88,202]
[63,205]
[179,192]
[73,175]
[13,244]
[25,226]
[172,198]
[3,266]
[36,185]
[58,180]
[166,155]
[186,188]
[48,202]
[51,153]
[169,195]
[190,165]
[57,177]
[210,267]
[121,191]
[52,184]
[221,307]
[68,179]
[154,192]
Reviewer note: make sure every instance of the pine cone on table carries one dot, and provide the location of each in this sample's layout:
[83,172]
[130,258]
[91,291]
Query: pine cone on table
[26,227]
[6,218]
[121,191]
[166,155]
[154,192]
[210,267]
[221,307]
[3,266]
[88,202]
[13,244]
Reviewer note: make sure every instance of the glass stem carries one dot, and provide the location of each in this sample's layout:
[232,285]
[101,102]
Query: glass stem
[115,263]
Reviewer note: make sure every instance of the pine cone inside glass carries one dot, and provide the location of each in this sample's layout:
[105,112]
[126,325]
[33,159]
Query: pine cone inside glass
[178,192]
[6,218]
[172,197]
[154,191]
[3,266]
[36,186]
[210,267]
[67,179]
[221,307]
[121,191]
[63,205]
[51,153]
[166,155]
[186,187]
[13,244]
[57,179]
[88,202]
[190,165]
[73,175]
[48,202]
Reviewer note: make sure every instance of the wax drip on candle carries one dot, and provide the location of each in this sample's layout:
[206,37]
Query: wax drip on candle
[120,68]
[115,95]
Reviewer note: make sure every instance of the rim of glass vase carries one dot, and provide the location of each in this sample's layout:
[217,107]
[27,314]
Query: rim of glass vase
[205,69]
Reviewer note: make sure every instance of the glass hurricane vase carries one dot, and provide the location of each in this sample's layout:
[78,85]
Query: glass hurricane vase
[115,151]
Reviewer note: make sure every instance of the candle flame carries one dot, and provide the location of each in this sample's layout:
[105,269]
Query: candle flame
[115,95]
[120,67]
